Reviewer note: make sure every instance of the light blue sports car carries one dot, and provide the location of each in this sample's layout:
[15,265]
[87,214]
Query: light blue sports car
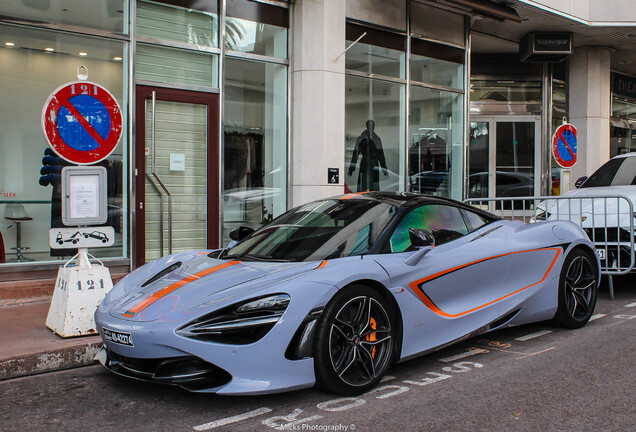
[335,291]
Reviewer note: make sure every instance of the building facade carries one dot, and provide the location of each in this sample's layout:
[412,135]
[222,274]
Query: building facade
[236,110]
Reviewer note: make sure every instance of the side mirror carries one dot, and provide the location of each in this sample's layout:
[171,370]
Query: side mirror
[421,238]
[424,241]
[580,181]
[239,233]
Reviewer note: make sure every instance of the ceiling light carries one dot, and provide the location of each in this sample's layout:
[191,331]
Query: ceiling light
[49,49]
[9,44]
[117,58]
[83,54]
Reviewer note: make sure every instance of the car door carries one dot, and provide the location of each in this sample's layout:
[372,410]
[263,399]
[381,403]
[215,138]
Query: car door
[453,290]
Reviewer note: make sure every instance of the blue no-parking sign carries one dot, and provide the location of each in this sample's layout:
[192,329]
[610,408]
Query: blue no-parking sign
[82,122]
[564,145]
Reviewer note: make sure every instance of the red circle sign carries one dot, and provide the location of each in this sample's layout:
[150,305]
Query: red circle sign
[82,122]
[564,145]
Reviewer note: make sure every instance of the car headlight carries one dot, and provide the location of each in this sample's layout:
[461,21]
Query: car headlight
[238,324]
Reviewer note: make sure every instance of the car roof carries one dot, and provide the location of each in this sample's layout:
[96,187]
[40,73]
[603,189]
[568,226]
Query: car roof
[625,155]
[405,200]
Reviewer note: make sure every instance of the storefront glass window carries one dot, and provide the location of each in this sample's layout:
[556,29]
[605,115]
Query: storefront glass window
[622,140]
[436,142]
[176,66]
[256,28]
[176,24]
[111,15]
[505,91]
[375,142]
[377,53]
[622,126]
[31,68]
[437,64]
[255,143]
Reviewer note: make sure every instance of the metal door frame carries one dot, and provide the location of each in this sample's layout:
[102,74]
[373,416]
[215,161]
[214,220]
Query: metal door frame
[492,146]
[211,100]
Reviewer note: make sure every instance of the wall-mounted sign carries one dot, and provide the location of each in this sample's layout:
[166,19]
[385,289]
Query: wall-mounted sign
[545,47]
[333,175]
[624,85]
[82,122]
[564,145]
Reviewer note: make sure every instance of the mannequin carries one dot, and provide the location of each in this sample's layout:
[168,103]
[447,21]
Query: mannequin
[369,147]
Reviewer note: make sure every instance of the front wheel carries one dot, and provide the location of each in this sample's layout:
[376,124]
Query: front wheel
[577,289]
[355,341]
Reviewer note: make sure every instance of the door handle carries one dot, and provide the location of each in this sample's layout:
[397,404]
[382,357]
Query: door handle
[158,179]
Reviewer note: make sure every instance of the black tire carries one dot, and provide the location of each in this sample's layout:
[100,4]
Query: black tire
[578,287]
[354,343]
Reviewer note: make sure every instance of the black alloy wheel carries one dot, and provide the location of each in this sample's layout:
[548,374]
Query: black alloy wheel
[577,289]
[355,341]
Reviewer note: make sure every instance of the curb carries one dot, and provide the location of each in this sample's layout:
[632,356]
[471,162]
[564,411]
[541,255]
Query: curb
[65,358]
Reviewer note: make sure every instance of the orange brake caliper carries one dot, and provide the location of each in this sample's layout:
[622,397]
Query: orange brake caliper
[371,337]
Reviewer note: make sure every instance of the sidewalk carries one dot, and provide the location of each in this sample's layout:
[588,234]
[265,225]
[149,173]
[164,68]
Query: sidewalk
[28,347]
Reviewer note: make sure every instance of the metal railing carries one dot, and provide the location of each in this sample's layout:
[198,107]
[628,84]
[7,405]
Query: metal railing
[607,220]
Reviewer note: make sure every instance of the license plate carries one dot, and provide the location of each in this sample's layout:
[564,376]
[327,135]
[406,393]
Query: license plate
[117,337]
[601,253]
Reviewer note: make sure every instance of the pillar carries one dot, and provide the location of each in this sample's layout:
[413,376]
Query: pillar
[589,108]
[317,102]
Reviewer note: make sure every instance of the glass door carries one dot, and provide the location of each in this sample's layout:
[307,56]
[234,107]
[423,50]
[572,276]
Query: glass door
[503,155]
[176,172]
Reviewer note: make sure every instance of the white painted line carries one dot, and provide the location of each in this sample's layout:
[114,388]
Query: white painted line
[234,419]
[463,355]
[597,316]
[631,305]
[387,378]
[533,335]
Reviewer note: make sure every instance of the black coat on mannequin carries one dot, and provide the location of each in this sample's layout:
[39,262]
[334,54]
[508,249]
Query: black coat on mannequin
[368,149]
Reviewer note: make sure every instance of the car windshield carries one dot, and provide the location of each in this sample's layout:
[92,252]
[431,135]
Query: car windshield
[316,231]
[615,172]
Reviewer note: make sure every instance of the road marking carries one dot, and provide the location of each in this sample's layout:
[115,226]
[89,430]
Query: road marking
[468,353]
[289,422]
[387,378]
[341,404]
[533,335]
[597,316]
[631,305]
[234,419]
[532,354]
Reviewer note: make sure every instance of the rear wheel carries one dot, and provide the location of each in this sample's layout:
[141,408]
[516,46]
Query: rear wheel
[577,289]
[355,341]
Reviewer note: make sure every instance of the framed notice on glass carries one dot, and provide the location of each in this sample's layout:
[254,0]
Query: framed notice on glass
[84,196]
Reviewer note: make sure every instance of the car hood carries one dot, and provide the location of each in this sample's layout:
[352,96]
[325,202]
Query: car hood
[198,281]
[607,206]
[628,191]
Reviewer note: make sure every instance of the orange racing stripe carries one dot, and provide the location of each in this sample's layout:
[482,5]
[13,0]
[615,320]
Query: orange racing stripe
[352,195]
[415,286]
[170,288]
[322,264]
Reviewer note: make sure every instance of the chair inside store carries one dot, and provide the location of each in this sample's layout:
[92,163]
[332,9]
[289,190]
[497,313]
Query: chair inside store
[16,213]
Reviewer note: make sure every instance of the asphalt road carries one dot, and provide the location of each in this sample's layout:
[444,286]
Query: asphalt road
[530,378]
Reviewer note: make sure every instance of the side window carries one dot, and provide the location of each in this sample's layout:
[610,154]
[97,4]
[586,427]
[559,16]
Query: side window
[474,220]
[445,222]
